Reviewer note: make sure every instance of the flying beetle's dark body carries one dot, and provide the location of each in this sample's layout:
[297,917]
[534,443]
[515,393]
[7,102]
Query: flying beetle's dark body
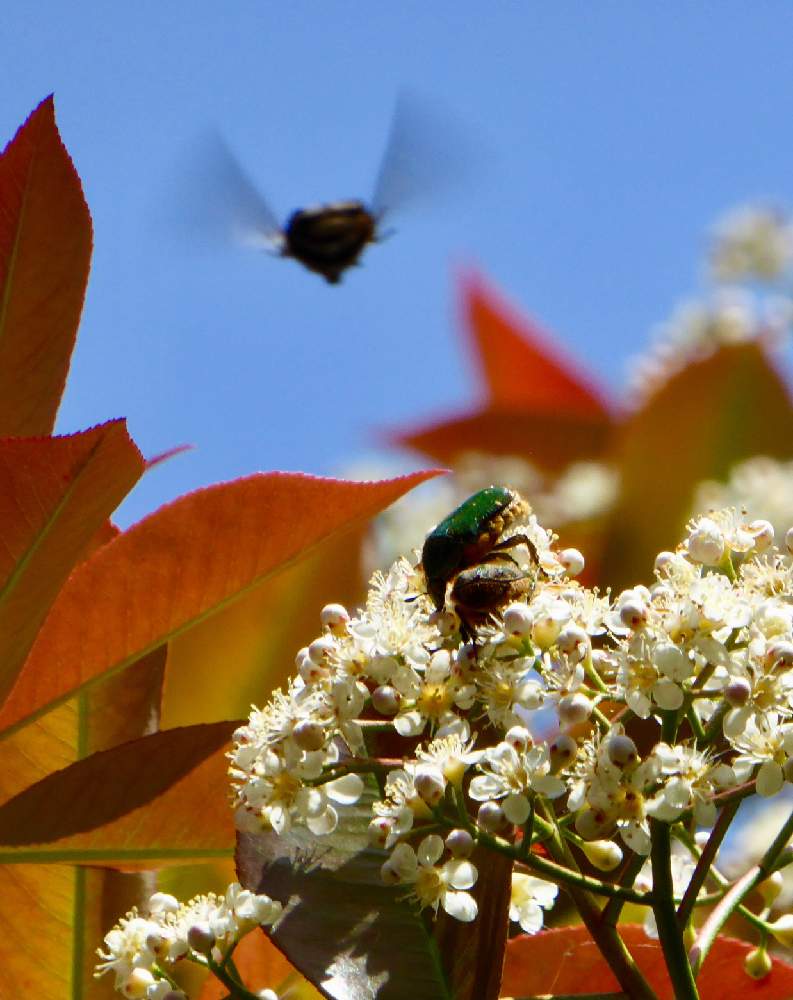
[330,238]
[419,161]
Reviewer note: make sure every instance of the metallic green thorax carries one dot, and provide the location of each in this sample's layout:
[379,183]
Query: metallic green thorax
[463,538]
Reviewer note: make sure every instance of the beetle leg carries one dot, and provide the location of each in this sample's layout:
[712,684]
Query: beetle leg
[513,540]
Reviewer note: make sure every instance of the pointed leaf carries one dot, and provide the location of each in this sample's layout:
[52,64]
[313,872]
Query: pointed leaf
[550,440]
[523,368]
[55,495]
[45,254]
[256,638]
[135,805]
[177,567]
[566,961]
[358,939]
[705,419]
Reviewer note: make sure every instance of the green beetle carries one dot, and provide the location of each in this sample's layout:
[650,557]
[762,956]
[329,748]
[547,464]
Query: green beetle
[471,534]
[478,592]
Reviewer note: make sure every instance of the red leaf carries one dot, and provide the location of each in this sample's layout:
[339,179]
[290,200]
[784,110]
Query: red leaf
[177,567]
[45,254]
[550,441]
[55,496]
[523,368]
[566,960]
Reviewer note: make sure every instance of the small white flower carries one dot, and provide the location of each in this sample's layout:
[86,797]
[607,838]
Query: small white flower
[434,885]
[529,897]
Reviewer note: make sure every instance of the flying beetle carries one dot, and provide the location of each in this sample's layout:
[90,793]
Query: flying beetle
[422,157]
[466,557]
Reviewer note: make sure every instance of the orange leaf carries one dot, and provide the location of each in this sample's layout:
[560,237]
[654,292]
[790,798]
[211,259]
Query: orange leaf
[705,419]
[55,495]
[140,804]
[566,960]
[45,254]
[177,567]
[522,367]
[261,966]
[256,638]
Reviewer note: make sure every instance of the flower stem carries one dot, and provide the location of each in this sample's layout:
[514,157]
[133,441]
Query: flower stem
[605,936]
[670,934]
[736,895]
[704,862]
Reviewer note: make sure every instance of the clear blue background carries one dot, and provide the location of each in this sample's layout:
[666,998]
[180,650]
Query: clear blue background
[614,134]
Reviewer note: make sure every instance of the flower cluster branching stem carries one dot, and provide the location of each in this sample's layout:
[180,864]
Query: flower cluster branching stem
[736,895]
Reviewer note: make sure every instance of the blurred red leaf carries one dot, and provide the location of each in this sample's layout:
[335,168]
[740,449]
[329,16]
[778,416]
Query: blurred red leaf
[45,254]
[705,419]
[550,441]
[177,567]
[55,497]
[538,403]
[523,368]
[566,961]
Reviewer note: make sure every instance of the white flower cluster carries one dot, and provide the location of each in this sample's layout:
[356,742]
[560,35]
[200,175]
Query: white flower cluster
[760,484]
[752,242]
[708,648]
[140,949]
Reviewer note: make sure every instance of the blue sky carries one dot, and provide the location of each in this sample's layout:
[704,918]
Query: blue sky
[609,137]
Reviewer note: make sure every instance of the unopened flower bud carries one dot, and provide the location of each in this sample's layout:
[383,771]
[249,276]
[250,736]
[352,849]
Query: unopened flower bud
[573,641]
[335,617]
[201,939]
[321,650]
[310,671]
[267,994]
[633,613]
[782,929]
[378,831]
[309,735]
[771,887]
[386,700]
[779,654]
[459,843]
[757,963]
[706,542]
[763,534]
[519,738]
[738,692]
[562,751]
[431,786]
[622,750]
[593,824]
[664,560]
[467,656]
[574,708]
[517,621]
[571,561]
[603,854]
[137,984]
[491,817]
[545,631]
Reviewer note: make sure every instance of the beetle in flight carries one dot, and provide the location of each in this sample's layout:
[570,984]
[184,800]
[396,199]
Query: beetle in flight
[421,158]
